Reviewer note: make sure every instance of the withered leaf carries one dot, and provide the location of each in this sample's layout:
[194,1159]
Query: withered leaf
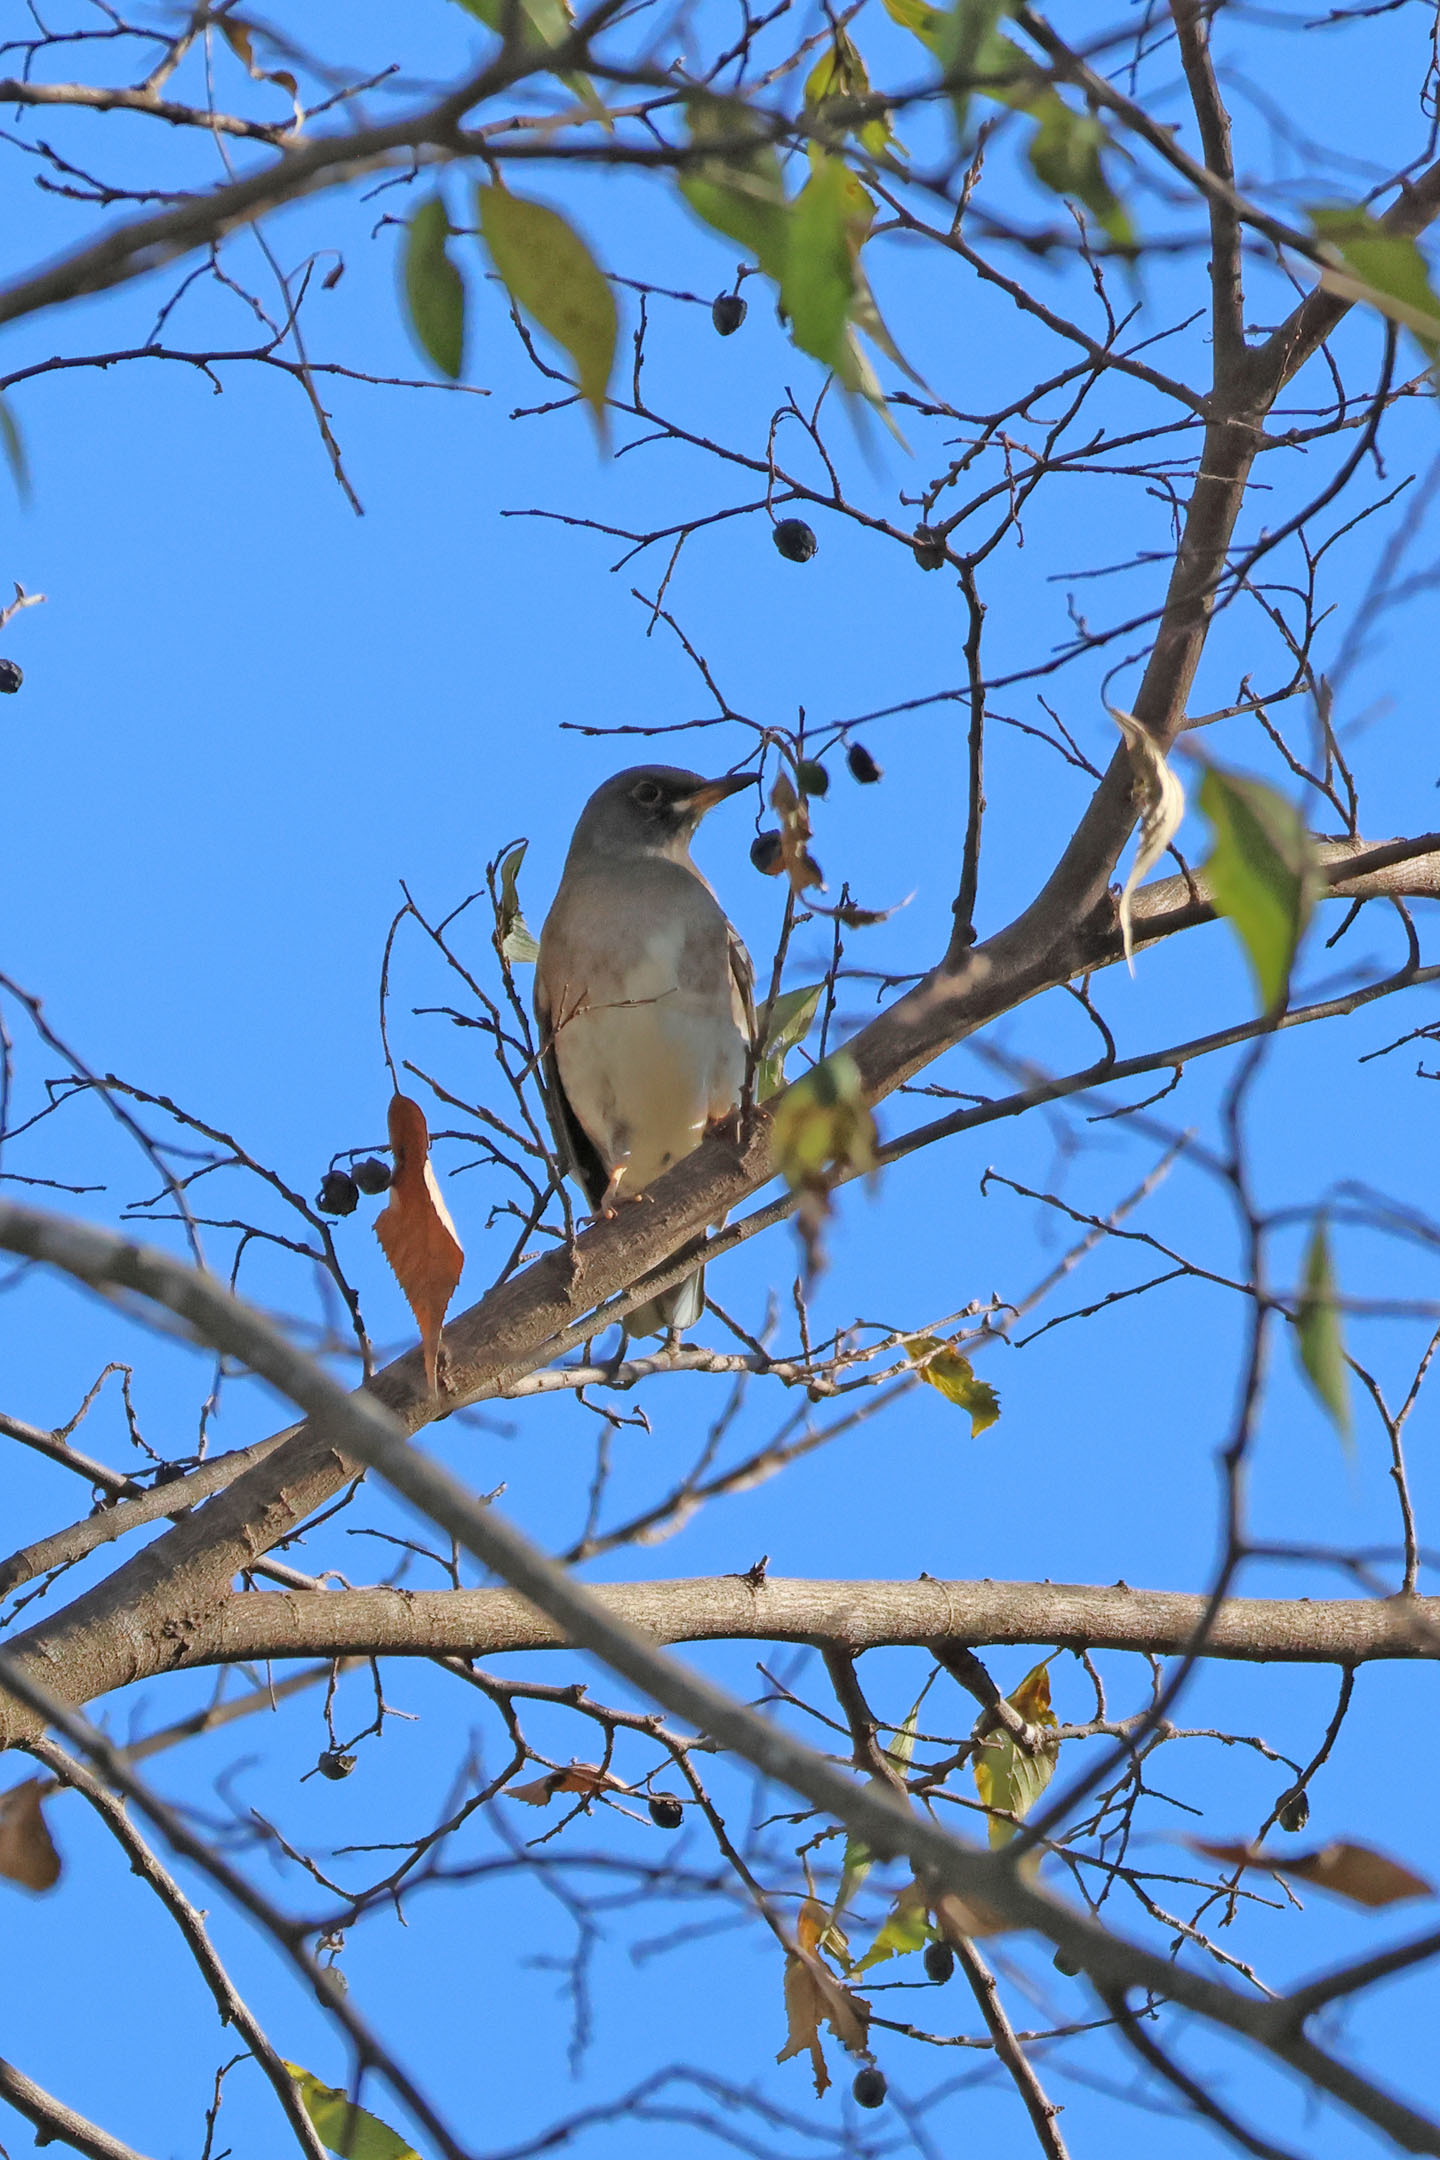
[415,1230]
[27,1854]
[578,1778]
[1356,1872]
[813,1996]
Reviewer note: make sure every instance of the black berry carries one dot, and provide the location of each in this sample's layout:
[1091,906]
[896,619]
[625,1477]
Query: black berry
[813,778]
[862,766]
[939,1962]
[795,540]
[665,1811]
[1295,1810]
[372,1175]
[339,1194]
[1066,1965]
[727,312]
[767,852]
[11,676]
[869,2087]
[334,1765]
[929,547]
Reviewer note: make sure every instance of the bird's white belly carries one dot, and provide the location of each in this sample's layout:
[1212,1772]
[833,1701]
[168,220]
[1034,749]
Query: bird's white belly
[645,1072]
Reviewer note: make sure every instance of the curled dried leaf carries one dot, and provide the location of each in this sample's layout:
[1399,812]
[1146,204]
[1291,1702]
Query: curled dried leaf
[577,1778]
[813,1996]
[1161,802]
[415,1231]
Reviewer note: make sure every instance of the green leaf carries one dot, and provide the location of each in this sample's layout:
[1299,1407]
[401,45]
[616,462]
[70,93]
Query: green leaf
[819,273]
[740,191]
[905,1928]
[1386,271]
[975,56]
[823,1126]
[1262,874]
[923,21]
[787,1024]
[550,273]
[1322,1353]
[517,940]
[434,290]
[941,1366]
[1006,1775]
[352,2132]
[1065,156]
[841,73]
[544,22]
[14,447]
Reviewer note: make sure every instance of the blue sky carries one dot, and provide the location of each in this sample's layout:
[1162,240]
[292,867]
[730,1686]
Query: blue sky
[249,715]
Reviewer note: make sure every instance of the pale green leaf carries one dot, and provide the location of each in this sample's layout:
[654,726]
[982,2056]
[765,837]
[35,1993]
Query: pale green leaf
[819,273]
[739,191]
[434,290]
[551,274]
[518,941]
[941,1366]
[352,2132]
[822,1125]
[1322,1352]
[1386,271]
[1262,874]
[1066,154]
[1007,1776]
[787,1023]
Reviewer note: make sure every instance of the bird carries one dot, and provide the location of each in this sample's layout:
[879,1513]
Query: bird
[645,1001]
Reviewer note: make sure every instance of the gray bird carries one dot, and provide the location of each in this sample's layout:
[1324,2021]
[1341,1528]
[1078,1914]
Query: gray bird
[645,999]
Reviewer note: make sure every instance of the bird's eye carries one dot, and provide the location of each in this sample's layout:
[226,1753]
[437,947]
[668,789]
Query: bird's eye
[648,794]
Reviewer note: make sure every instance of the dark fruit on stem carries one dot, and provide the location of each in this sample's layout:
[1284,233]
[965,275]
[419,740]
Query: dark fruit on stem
[768,854]
[813,778]
[862,766]
[338,1195]
[795,540]
[869,2087]
[335,1765]
[1066,1965]
[727,312]
[939,1962]
[372,1175]
[1295,1810]
[665,1811]
[929,547]
[11,676]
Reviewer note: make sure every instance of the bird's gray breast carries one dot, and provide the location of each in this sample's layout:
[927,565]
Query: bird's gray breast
[648,1030]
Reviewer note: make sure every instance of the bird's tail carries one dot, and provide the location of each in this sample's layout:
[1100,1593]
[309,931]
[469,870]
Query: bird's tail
[679,1308]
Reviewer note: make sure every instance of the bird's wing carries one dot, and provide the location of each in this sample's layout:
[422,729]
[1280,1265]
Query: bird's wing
[742,979]
[577,1152]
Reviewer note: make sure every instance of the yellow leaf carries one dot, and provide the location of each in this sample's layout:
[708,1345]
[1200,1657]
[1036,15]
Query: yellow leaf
[906,1927]
[941,1366]
[1161,802]
[1007,1776]
[342,2127]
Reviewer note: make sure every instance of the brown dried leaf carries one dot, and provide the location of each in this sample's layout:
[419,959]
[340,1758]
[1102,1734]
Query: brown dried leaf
[1356,1872]
[794,815]
[958,1917]
[27,1854]
[813,1996]
[237,36]
[415,1231]
[579,1778]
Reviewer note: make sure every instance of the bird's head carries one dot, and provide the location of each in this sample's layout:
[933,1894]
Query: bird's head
[651,810]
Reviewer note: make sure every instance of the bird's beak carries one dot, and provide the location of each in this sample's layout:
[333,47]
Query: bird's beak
[711,792]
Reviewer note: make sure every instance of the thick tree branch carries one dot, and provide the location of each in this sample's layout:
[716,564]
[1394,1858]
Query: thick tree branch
[847,1616]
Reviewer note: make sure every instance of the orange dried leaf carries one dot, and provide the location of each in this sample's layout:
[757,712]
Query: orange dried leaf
[1356,1872]
[814,1996]
[27,1854]
[579,1778]
[415,1231]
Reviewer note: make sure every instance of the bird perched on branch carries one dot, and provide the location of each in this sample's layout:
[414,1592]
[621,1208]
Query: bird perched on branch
[644,994]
